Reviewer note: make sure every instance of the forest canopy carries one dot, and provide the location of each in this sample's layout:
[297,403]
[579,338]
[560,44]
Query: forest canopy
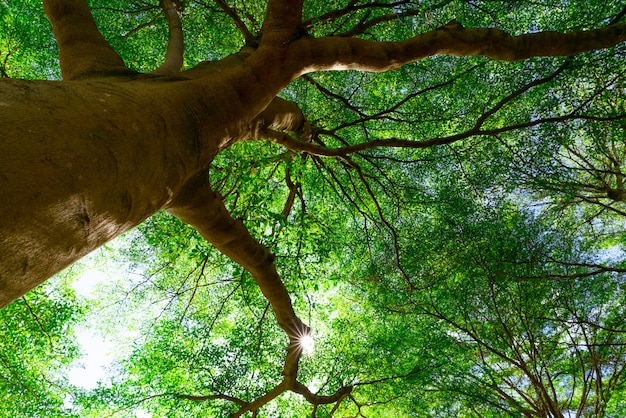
[448,229]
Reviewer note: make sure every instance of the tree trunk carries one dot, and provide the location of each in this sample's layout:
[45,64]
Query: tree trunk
[84,160]
[81,163]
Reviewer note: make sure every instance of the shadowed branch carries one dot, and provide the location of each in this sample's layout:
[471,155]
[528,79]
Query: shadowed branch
[338,53]
[176,45]
[82,48]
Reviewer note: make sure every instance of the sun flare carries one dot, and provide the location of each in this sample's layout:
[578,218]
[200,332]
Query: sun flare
[307,344]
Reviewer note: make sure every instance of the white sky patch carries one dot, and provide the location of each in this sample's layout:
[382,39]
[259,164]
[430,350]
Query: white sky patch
[87,283]
[97,356]
[96,352]
[611,254]
[99,353]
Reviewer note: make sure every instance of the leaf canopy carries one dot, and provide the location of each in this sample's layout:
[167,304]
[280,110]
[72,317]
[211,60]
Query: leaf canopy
[476,270]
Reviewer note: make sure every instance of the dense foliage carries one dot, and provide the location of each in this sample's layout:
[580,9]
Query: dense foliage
[483,276]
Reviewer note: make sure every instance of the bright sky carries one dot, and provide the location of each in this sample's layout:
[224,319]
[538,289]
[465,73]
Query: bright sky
[97,353]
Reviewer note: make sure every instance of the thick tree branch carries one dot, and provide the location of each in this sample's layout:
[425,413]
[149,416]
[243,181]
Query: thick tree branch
[198,205]
[283,115]
[202,398]
[176,45]
[203,209]
[279,115]
[316,399]
[283,20]
[293,144]
[334,53]
[82,48]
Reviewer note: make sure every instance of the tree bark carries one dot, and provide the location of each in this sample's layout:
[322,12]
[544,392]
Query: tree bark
[336,53]
[89,53]
[83,161]
[88,158]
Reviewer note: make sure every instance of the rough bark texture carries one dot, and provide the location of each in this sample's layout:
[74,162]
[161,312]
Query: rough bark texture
[82,162]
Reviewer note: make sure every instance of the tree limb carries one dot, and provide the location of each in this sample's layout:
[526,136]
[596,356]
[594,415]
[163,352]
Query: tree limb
[82,48]
[335,53]
[201,398]
[316,399]
[293,190]
[283,115]
[293,144]
[176,45]
[198,205]
[259,402]
[248,36]
[282,21]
